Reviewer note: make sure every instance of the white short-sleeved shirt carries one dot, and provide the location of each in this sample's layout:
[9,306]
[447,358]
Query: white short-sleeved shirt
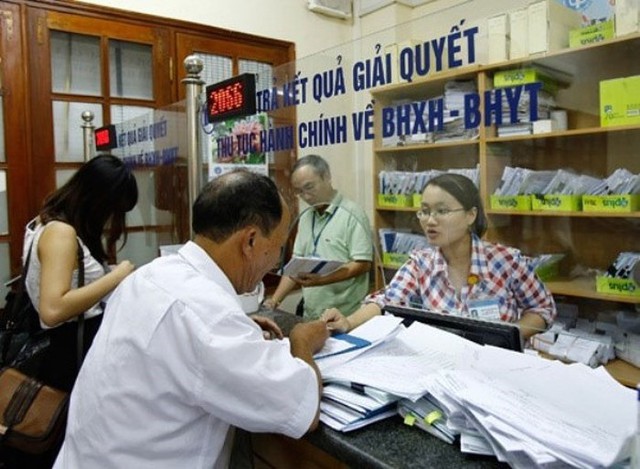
[175,364]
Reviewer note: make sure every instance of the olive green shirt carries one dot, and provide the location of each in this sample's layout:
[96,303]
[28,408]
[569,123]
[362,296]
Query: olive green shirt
[341,233]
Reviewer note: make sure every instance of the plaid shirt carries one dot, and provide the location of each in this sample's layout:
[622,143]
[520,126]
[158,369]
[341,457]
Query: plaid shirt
[501,273]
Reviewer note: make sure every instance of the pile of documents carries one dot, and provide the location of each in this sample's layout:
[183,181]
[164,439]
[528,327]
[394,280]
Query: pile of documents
[399,242]
[414,182]
[525,410]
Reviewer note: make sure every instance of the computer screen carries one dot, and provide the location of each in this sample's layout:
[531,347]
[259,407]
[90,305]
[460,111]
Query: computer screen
[499,334]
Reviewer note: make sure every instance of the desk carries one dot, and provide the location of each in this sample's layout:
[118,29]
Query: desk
[385,444]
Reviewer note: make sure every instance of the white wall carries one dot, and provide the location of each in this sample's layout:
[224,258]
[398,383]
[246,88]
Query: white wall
[288,20]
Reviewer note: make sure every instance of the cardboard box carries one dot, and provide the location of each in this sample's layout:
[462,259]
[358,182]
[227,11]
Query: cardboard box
[556,203]
[551,79]
[620,101]
[520,203]
[627,14]
[623,203]
[549,25]
[617,286]
[592,34]
[395,200]
[518,33]
[498,38]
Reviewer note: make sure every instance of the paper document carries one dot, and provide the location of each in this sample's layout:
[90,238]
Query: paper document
[310,265]
[340,343]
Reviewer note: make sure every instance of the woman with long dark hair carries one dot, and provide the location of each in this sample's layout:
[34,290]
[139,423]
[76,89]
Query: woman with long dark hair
[90,210]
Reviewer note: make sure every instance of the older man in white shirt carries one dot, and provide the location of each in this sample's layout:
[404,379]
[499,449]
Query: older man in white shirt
[177,363]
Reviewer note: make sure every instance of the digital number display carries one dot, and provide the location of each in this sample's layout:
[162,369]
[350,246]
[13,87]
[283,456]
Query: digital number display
[105,138]
[234,97]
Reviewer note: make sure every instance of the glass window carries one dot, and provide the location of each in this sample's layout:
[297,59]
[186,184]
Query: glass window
[2,157]
[120,113]
[216,68]
[130,70]
[263,71]
[75,63]
[5,270]
[62,176]
[4,212]
[67,129]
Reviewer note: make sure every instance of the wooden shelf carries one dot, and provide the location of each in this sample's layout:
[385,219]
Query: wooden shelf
[623,372]
[549,213]
[585,287]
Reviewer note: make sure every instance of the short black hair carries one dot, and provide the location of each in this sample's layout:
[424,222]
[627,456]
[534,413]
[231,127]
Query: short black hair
[464,191]
[235,200]
[318,163]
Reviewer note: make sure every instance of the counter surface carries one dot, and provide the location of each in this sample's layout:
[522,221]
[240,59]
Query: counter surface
[388,443]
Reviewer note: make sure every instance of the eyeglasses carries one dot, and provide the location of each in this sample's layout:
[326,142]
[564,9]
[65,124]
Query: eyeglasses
[306,189]
[437,214]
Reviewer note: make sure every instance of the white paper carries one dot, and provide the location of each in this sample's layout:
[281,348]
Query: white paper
[306,265]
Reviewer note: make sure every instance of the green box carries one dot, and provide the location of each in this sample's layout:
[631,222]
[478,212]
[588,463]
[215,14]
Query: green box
[395,200]
[520,203]
[592,34]
[620,101]
[523,76]
[394,259]
[623,203]
[556,203]
[417,200]
[617,286]
[548,271]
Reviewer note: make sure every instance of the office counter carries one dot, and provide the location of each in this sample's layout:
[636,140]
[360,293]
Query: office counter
[385,444]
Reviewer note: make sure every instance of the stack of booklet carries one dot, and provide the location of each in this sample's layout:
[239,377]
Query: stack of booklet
[525,410]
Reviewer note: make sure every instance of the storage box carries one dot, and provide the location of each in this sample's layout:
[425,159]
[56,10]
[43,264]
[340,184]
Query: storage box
[549,26]
[620,101]
[395,200]
[551,79]
[498,38]
[394,259]
[617,286]
[592,34]
[556,203]
[627,16]
[520,203]
[611,203]
[417,200]
[548,271]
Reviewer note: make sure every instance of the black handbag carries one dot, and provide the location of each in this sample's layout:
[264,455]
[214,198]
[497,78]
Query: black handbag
[22,340]
[23,343]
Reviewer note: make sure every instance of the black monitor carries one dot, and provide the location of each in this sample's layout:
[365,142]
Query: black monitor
[499,334]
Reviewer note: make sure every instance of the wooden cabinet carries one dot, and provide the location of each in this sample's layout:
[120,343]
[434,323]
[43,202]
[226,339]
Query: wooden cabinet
[61,58]
[589,240]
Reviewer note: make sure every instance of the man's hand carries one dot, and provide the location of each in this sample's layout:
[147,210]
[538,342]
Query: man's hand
[270,329]
[312,334]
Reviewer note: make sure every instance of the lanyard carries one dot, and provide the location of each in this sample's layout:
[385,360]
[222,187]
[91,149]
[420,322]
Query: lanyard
[316,239]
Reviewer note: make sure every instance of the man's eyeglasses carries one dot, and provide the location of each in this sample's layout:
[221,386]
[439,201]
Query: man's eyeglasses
[307,188]
[437,214]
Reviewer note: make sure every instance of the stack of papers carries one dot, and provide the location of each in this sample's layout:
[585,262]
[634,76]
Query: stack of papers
[310,265]
[346,408]
[427,415]
[525,410]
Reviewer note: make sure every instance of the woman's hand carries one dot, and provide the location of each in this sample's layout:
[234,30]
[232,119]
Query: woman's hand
[123,269]
[336,321]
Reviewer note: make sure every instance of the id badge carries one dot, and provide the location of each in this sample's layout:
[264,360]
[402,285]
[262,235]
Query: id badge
[484,309]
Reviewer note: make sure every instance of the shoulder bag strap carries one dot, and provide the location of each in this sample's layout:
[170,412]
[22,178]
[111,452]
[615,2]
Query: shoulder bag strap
[80,330]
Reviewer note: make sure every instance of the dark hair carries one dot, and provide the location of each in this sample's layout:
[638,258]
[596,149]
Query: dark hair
[320,166]
[464,191]
[99,193]
[235,200]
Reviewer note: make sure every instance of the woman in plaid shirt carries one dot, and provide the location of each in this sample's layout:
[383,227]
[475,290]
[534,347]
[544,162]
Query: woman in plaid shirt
[460,273]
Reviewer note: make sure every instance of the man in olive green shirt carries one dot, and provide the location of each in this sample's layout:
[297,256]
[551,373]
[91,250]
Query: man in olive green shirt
[332,228]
